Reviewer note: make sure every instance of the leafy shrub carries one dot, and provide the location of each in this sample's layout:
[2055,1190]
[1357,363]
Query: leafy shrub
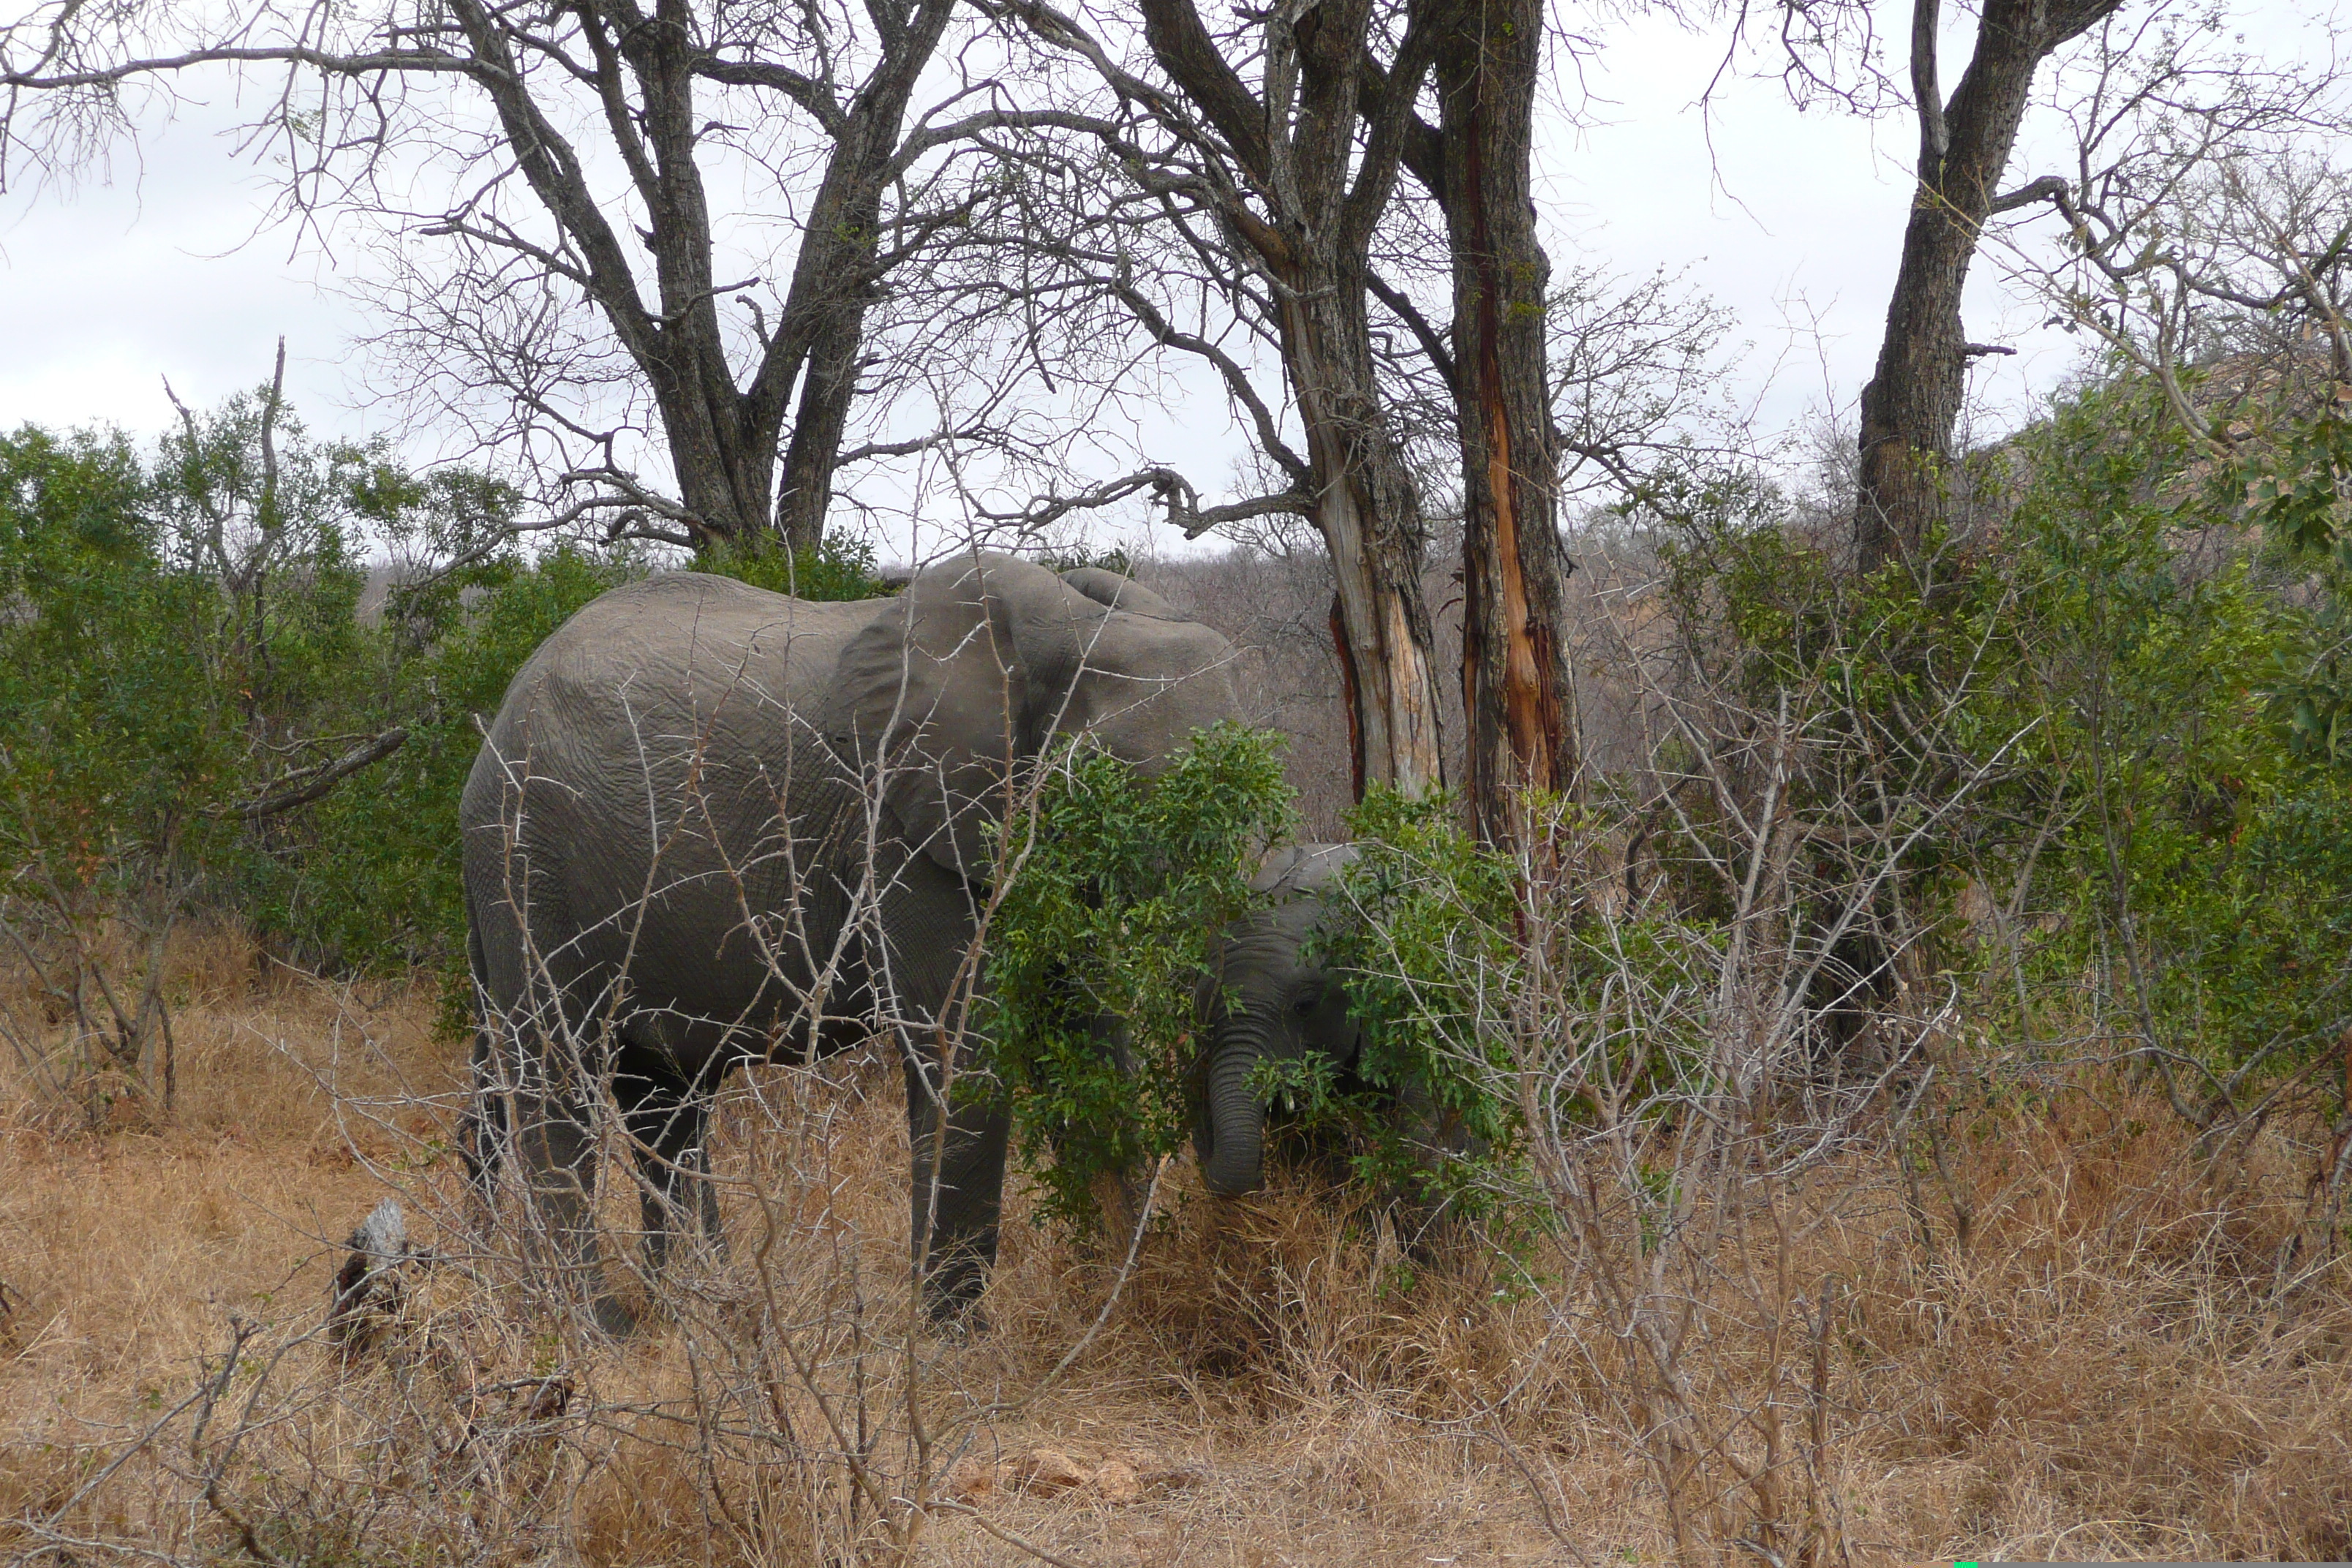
[179,639]
[2299,495]
[182,636]
[839,568]
[1431,943]
[2144,695]
[371,879]
[1100,950]
[117,732]
[1119,889]
[177,642]
[1471,967]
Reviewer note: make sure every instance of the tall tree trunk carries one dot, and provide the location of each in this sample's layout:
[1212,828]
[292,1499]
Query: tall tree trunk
[1913,400]
[1517,694]
[1315,194]
[828,387]
[834,282]
[723,441]
[1367,509]
[724,470]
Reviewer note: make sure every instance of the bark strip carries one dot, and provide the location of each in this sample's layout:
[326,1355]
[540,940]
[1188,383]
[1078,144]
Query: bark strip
[1516,685]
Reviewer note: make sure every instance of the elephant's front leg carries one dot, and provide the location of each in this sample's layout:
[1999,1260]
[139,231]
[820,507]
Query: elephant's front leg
[483,1130]
[1119,1195]
[956,1129]
[959,1186]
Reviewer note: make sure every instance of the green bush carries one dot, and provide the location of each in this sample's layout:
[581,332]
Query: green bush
[147,694]
[1119,889]
[2148,732]
[180,637]
[1433,942]
[839,568]
[1483,979]
[372,877]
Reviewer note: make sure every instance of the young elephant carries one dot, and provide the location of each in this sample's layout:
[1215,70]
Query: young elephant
[712,823]
[1268,1001]
[1271,1001]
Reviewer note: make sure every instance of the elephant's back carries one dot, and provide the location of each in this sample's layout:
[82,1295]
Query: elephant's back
[644,751]
[730,662]
[691,632]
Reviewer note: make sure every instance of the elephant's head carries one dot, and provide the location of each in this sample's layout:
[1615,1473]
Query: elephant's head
[985,661]
[1264,1000]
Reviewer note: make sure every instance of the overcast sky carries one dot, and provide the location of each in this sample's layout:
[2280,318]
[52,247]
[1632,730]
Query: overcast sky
[1792,220]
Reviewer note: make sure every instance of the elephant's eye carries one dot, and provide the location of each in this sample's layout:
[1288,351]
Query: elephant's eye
[1306,1002]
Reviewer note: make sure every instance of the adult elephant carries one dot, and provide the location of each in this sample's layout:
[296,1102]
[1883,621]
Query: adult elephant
[712,823]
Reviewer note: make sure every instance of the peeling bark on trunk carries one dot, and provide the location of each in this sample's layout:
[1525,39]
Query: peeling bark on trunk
[1517,690]
[1346,656]
[1912,401]
[1368,510]
[1315,196]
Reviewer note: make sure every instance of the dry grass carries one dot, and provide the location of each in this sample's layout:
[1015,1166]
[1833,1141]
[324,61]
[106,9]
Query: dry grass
[2126,1359]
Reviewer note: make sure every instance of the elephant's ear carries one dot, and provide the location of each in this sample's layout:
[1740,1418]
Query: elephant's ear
[980,663]
[949,688]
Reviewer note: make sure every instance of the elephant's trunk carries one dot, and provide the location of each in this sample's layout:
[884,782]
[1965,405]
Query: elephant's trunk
[1234,1162]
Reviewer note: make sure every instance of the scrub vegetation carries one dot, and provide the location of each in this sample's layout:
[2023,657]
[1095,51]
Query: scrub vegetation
[1855,1071]
[1897,1105]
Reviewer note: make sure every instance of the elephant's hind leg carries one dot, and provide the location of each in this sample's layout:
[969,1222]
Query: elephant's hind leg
[666,1109]
[540,1108]
[554,1139]
[482,1125]
[482,1129]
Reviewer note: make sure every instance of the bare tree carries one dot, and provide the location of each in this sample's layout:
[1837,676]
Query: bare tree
[570,151]
[2208,238]
[1637,380]
[1278,195]
[1913,400]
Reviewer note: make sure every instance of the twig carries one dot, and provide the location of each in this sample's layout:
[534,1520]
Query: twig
[1020,1544]
[317,782]
[1126,1272]
[124,1458]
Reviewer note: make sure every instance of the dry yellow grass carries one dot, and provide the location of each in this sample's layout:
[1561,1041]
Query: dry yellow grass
[2109,1369]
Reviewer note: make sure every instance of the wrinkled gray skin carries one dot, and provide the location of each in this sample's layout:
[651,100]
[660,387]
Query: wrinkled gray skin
[666,829]
[1265,1001]
[1269,1000]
